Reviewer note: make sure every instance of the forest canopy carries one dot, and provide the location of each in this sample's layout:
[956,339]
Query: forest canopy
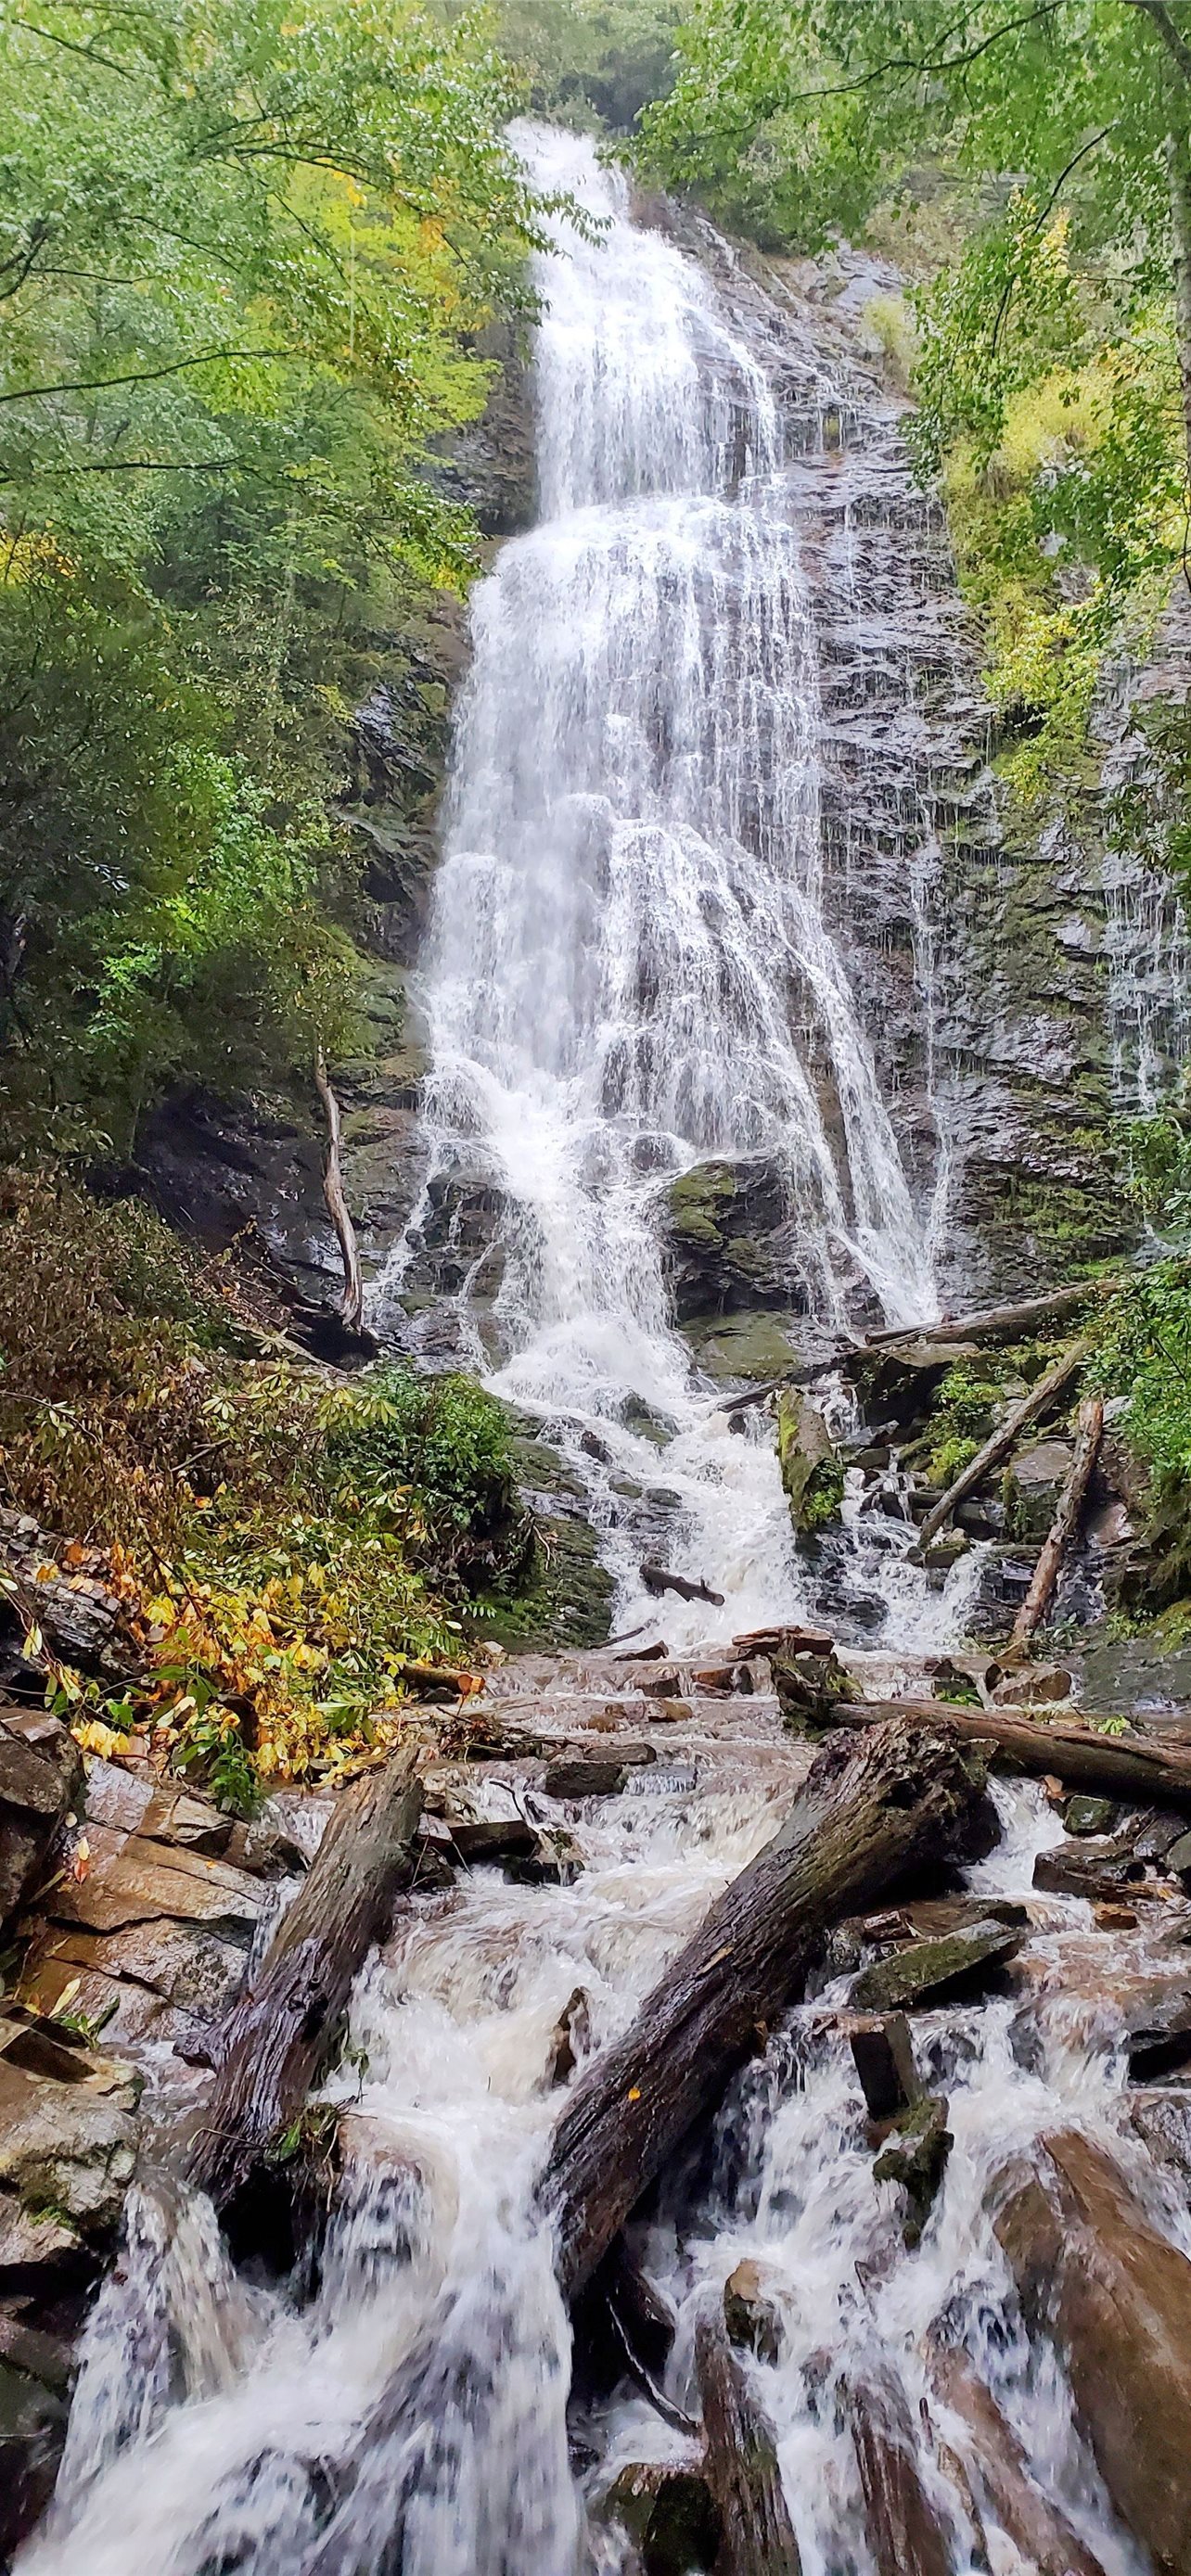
[245,256]
[1030,166]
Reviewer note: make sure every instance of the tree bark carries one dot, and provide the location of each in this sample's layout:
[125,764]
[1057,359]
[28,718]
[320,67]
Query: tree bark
[862,1818]
[278,2037]
[1178,164]
[742,2465]
[999,1323]
[1002,1441]
[337,1207]
[1152,1774]
[1036,2527]
[1065,1524]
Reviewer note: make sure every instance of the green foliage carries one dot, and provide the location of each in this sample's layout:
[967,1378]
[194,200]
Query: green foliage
[1143,1350]
[286,1550]
[1047,375]
[244,259]
[588,62]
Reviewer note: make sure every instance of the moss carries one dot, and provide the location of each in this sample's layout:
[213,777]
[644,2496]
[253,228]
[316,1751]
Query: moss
[812,1476]
[698,1201]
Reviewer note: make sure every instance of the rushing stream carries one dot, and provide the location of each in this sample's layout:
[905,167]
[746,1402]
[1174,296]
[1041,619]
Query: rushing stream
[631,969]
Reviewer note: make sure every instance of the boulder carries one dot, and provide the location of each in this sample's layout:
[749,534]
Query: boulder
[1088,1816]
[32,2434]
[730,1247]
[1092,2271]
[595,1775]
[928,1970]
[66,2159]
[812,1474]
[41,1774]
[1033,1486]
[668,2513]
[916,2157]
[751,2316]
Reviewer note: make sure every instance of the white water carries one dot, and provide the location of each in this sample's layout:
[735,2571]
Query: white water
[411,2416]
[630,969]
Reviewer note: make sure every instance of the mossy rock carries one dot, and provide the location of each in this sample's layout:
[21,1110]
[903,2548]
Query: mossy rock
[749,1348]
[699,1199]
[812,1475]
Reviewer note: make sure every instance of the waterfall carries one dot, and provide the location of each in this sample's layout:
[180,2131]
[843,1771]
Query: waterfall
[630,969]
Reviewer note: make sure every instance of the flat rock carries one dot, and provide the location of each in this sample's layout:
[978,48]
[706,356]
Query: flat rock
[146,1884]
[1088,1869]
[928,1970]
[177,1817]
[595,1775]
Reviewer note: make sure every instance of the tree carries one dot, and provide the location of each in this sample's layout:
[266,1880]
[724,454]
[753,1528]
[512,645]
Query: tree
[245,256]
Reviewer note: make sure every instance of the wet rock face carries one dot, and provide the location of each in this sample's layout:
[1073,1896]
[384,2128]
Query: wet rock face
[730,1237]
[40,1773]
[812,1472]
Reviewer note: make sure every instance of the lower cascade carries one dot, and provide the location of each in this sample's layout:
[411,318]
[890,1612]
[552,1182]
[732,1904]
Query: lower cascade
[930,2235]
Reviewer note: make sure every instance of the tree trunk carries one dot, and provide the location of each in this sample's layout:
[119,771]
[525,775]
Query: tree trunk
[1178,163]
[999,1323]
[278,2038]
[998,1447]
[1036,2527]
[1065,1524]
[742,2466]
[1153,1774]
[862,1818]
[337,1207]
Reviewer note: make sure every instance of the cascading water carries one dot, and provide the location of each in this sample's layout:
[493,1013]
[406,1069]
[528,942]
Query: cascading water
[630,969]
[631,923]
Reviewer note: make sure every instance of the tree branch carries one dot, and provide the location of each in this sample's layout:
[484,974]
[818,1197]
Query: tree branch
[1172,36]
[139,376]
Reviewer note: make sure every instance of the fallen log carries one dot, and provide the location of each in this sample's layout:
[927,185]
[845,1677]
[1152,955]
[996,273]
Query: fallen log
[279,2036]
[862,1818]
[1154,1773]
[1094,2274]
[757,2535]
[1036,2526]
[1003,1439]
[998,1323]
[1065,1524]
[903,2529]
[352,1309]
[656,1581]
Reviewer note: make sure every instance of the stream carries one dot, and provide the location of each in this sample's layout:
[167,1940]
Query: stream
[635,964]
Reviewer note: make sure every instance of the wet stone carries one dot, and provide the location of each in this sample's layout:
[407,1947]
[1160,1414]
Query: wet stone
[883,2055]
[668,2513]
[1088,1816]
[928,1970]
[1088,1869]
[595,1775]
[915,2157]
[752,2318]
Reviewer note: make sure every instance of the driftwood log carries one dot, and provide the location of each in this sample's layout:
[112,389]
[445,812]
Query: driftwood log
[861,1819]
[1152,1774]
[656,1581]
[280,2034]
[1065,1524]
[998,1323]
[1037,1402]
[336,1199]
[756,2533]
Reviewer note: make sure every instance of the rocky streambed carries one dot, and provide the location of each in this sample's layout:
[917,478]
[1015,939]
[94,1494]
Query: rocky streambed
[943,2207]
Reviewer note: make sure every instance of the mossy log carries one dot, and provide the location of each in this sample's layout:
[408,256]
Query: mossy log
[277,2039]
[1156,1774]
[863,1817]
[1000,1323]
[997,1448]
[757,2535]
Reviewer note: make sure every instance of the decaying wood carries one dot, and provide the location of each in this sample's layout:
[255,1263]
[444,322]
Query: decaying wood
[861,1819]
[278,2037]
[998,1323]
[333,1193]
[1036,2527]
[997,1448]
[783,1641]
[1065,1524]
[903,2530]
[1156,1774]
[656,1581]
[757,2535]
